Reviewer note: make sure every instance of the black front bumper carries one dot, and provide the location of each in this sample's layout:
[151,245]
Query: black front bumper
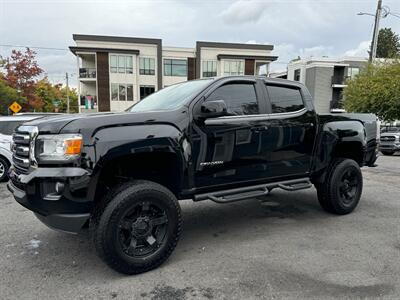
[65,209]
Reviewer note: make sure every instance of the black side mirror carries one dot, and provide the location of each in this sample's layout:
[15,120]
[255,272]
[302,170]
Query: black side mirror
[213,109]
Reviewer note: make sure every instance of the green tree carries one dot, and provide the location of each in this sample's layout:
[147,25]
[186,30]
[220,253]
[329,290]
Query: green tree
[54,97]
[73,100]
[375,90]
[388,44]
[7,96]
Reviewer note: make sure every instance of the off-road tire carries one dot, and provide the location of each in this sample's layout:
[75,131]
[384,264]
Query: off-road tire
[4,165]
[108,215]
[330,193]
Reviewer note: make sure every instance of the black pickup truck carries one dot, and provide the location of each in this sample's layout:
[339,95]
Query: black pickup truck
[219,139]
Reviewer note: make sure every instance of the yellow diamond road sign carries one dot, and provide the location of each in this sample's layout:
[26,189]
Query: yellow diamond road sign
[15,107]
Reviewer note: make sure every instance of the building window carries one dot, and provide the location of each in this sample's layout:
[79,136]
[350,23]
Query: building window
[121,92]
[114,91]
[284,99]
[146,66]
[297,75]
[113,63]
[352,72]
[209,68]
[233,67]
[129,65]
[121,64]
[175,67]
[129,92]
[146,90]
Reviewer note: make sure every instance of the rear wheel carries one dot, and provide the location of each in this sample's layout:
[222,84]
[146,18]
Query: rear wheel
[341,191]
[139,227]
[387,152]
[4,166]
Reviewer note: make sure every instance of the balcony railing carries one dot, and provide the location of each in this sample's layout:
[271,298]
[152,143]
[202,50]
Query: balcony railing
[87,73]
[339,80]
[336,104]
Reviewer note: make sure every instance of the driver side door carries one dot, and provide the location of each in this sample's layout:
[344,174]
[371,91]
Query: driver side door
[227,149]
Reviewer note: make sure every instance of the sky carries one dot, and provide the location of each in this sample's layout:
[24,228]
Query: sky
[305,28]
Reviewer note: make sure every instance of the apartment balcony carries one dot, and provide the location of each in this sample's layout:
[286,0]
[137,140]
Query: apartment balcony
[87,74]
[339,81]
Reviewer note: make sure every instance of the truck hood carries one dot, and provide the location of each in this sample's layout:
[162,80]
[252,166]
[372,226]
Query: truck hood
[87,123]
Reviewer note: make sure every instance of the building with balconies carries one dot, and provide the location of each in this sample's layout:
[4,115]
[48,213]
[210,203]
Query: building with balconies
[115,72]
[326,79]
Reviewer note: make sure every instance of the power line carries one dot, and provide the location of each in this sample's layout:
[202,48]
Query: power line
[34,47]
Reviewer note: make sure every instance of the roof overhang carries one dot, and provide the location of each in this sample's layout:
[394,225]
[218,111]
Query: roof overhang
[233,45]
[255,57]
[114,39]
[76,50]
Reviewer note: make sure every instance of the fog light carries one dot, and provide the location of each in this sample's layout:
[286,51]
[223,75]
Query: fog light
[60,187]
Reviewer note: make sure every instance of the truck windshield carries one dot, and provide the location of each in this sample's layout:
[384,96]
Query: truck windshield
[171,97]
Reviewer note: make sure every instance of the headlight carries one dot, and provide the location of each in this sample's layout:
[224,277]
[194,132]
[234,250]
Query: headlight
[60,147]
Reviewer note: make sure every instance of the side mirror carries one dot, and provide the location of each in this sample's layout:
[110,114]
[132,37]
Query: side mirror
[213,109]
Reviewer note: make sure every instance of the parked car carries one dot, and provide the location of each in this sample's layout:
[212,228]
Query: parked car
[389,140]
[7,127]
[219,139]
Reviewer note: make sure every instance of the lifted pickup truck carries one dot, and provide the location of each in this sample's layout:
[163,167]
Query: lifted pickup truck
[219,139]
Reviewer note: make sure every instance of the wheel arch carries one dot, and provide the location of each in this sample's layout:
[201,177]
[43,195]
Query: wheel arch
[163,167]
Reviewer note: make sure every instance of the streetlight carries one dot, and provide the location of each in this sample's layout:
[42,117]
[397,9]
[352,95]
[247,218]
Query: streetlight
[381,12]
[363,14]
[378,15]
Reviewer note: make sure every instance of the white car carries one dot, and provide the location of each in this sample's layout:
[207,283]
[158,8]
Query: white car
[7,127]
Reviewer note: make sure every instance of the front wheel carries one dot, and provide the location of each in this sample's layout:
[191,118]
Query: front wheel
[342,188]
[139,227]
[4,166]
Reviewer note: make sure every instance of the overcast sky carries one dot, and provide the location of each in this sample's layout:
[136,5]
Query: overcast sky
[295,27]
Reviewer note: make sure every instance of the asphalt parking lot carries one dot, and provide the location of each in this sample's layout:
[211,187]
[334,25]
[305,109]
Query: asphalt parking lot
[280,246]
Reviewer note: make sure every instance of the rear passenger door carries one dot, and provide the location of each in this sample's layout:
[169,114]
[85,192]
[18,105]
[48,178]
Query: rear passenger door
[289,140]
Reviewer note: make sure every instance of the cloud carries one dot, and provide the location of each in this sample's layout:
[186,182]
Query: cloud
[361,50]
[241,12]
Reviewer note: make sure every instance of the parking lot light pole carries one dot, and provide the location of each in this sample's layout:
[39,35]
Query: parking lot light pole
[374,42]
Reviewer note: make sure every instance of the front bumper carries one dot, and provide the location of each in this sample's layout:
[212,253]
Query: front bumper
[64,208]
[389,147]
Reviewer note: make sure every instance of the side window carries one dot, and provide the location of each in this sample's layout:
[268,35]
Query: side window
[284,99]
[240,98]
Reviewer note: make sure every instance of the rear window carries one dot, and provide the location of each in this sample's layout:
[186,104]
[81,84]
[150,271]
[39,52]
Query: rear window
[284,99]
[8,127]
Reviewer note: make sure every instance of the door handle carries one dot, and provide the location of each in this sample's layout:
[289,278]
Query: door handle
[259,128]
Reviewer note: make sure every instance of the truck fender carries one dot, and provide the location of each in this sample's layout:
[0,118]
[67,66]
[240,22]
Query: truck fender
[115,142]
[347,134]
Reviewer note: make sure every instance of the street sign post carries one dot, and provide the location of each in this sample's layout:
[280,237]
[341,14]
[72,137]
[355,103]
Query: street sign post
[15,107]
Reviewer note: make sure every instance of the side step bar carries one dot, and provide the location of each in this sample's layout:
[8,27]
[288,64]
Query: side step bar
[232,195]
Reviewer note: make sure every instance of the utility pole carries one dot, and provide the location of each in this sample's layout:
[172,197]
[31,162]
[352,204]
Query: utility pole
[66,77]
[374,43]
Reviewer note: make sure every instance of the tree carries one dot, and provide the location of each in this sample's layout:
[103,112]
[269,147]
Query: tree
[388,44]
[375,90]
[7,96]
[21,72]
[54,97]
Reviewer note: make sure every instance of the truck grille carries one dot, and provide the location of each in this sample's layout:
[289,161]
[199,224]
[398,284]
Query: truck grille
[22,147]
[388,138]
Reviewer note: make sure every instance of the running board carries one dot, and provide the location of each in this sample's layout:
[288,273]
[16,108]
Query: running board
[233,195]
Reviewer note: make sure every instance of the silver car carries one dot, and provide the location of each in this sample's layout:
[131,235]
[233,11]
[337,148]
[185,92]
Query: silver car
[7,126]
